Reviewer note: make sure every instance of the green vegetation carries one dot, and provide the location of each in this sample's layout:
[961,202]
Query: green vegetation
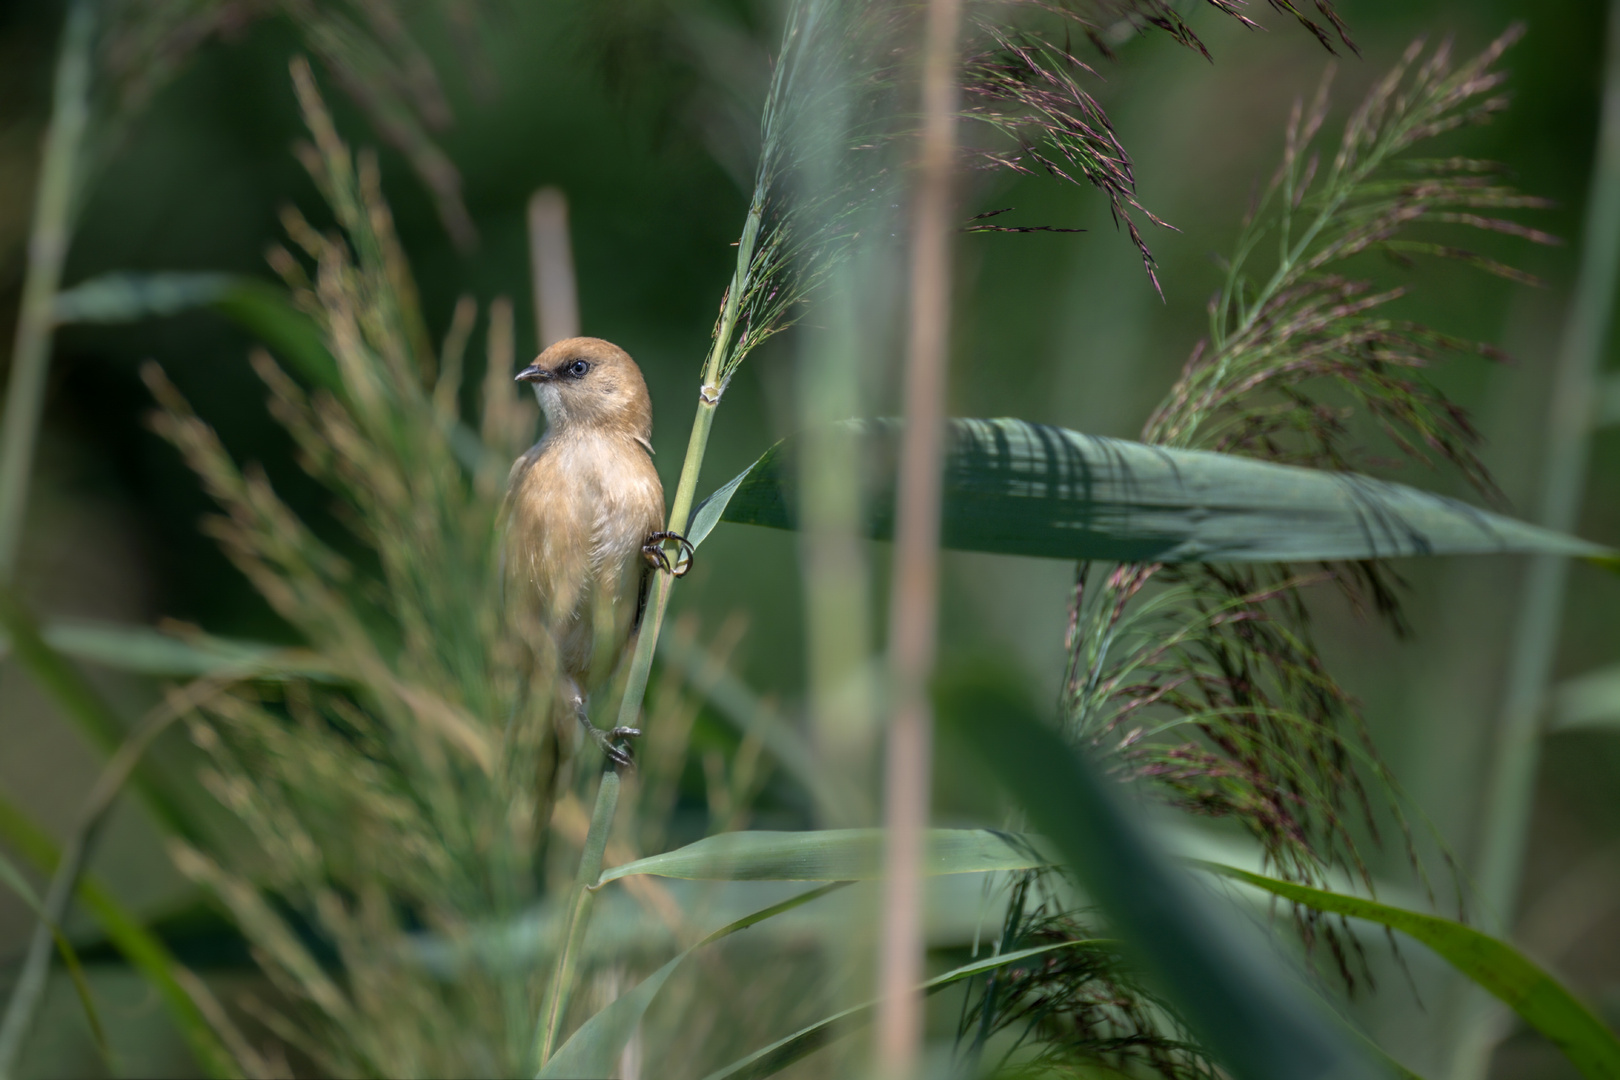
[394,855]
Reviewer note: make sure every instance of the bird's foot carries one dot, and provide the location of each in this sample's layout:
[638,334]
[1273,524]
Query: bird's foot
[612,741]
[653,549]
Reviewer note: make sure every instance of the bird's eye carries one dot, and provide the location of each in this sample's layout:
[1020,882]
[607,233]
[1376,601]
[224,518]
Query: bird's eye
[578,368]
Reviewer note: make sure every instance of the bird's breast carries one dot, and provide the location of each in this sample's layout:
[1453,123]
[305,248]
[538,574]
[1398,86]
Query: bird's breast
[589,499]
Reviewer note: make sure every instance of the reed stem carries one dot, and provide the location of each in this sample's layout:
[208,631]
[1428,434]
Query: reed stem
[914,602]
[48,241]
[1510,790]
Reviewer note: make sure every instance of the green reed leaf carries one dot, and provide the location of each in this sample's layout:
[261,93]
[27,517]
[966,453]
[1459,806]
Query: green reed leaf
[594,1049]
[769,1060]
[1234,992]
[1017,488]
[266,311]
[262,308]
[1539,999]
[80,702]
[1589,702]
[146,651]
[121,297]
[829,855]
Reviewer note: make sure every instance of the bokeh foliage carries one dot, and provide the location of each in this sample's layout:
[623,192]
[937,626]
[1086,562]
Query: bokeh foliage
[654,214]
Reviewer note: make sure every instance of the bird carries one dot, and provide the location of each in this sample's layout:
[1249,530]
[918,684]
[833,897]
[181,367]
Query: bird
[585,510]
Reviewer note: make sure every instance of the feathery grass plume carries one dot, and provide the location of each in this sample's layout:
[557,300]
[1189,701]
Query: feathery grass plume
[1256,385]
[364,44]
[415,792]
[1108,22]
[1072,1008]
[1021,83]
[836,106]
[1208,682]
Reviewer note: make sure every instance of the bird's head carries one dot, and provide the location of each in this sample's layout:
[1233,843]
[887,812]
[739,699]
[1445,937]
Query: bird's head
[589,382]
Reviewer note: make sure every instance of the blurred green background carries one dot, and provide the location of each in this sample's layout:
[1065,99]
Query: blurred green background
[627,107]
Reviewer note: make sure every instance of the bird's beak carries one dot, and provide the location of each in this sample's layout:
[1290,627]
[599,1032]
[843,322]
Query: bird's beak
[533,373]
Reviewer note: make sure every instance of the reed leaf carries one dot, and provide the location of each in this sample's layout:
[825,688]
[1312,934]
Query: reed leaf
[1539,999]
[1017,488]
[82,704]
[594,1049]
[147,651]
[1231,988]
[1587,702]
[772,1059]
[829,855]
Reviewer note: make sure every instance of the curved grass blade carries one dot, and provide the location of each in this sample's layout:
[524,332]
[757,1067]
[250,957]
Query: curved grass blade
[594,1049]
[80,702]
[1231,988]
[28,994]
[259,307]
[121,297]
[142,948]
[830,855]
[772,1059]
[145,651]
[267,312]
[12,877]
[737,703]
[1017,488]
[1589,702]
[1536,996]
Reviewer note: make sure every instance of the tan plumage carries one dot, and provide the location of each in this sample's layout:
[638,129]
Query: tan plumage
[582,503]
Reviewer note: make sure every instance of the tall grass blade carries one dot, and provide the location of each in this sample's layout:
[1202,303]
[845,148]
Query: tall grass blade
[60,179]
[144,950]
[264,310]
[736,702]
[261,308]
[80,702]
[1539,999]
[124,297]
[831,855]
[29,994]
[13,879]
[594,1049]
[1589,702]
[146,651]
[772,1059]
[1229,987]
[1017,488]
[1508,792]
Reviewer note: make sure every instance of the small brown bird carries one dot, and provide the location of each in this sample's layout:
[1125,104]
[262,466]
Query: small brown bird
[586,507]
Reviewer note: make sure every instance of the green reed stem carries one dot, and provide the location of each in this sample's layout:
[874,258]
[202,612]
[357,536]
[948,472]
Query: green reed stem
[1510,788]
[48,240]
[635,688]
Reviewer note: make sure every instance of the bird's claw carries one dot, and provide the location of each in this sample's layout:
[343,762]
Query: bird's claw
[654,551]
[610,742]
